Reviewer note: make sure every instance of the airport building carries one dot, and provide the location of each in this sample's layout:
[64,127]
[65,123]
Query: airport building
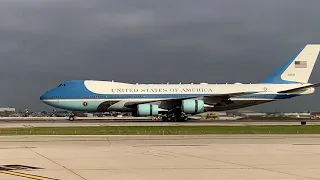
[7,109]
[6,112]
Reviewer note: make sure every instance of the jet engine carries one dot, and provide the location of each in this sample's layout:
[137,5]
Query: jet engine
[192,106]
[147,110]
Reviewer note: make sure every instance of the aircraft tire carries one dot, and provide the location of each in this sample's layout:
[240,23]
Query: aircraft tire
[182,119]
[164,118]
[171,119]
[71,118]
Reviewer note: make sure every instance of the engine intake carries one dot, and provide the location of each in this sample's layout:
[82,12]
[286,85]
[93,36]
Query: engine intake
[192,106]
[147,110]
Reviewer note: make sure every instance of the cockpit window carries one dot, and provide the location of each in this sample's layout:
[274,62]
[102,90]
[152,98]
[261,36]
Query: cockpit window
[62,85]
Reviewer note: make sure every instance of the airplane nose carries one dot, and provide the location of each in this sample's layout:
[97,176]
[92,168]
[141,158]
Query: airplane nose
[44,96]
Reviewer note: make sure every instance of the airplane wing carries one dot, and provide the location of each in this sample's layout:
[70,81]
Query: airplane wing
[299,88]
[229,95]
[220,96]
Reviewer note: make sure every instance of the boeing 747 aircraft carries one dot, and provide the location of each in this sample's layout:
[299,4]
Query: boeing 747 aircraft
[174,102]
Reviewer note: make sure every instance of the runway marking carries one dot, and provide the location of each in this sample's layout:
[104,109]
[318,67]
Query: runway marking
[10,170]
[29,176]
[58,164]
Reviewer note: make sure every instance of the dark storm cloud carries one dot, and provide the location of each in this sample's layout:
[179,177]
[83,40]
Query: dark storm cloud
[45,42]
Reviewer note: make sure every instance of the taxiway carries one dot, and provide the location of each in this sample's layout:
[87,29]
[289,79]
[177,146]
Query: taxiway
[223,157]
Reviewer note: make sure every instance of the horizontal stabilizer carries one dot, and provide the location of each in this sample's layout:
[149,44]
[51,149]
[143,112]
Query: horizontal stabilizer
[300,88]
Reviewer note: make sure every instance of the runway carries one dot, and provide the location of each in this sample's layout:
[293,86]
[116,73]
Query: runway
[240,157]
[103,122]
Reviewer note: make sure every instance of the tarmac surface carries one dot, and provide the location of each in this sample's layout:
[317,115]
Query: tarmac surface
[223,157]
[15,123]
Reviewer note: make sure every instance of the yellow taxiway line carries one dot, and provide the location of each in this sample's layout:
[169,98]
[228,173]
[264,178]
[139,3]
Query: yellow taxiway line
[29,176]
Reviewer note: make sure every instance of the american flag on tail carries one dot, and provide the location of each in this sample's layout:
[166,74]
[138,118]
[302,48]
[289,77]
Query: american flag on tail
[300,64]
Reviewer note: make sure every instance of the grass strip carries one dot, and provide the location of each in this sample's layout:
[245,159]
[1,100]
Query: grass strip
[162,130]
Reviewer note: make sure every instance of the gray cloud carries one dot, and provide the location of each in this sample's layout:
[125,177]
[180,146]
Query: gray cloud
[43,43]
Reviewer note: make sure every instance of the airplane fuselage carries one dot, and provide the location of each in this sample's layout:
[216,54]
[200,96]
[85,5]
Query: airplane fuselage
[102,96]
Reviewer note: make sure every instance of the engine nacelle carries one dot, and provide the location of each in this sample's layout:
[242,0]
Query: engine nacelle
[147,110]
[192,106]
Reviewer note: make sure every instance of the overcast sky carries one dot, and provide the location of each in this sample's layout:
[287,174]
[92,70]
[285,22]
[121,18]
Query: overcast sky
[46,42]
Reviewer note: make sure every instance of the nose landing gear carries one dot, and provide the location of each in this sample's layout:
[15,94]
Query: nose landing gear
[72,117]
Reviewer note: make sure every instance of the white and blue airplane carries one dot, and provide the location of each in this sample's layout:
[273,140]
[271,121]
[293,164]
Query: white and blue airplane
[174,102]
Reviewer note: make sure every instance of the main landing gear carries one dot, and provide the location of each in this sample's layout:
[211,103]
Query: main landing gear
[175,116]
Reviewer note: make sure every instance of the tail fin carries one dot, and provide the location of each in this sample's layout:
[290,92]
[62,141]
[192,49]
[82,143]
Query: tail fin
[298,69]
